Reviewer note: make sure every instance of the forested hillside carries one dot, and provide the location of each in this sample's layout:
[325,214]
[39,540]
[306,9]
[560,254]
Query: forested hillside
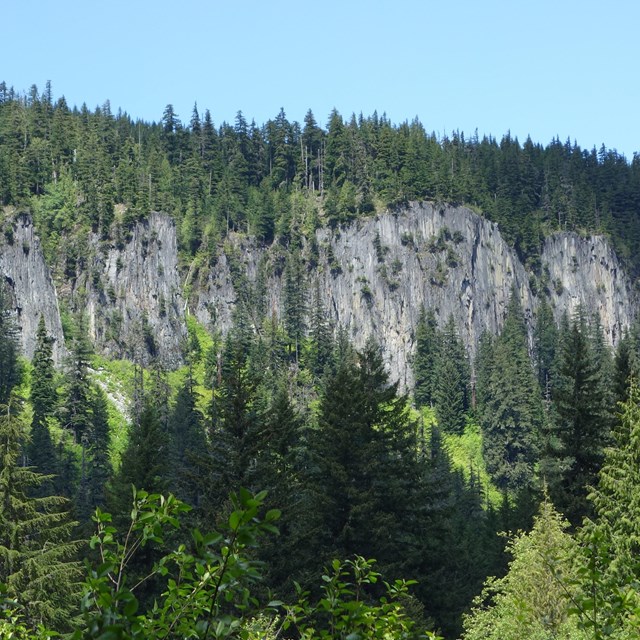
[288,458]
[251,177]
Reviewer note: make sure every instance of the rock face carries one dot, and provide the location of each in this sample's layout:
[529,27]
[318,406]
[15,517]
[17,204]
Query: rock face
[377,274]
[374,277]
[132,298]
[30,286]
[585,271]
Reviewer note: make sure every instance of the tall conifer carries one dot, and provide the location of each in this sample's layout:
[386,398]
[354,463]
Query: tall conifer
[512,417]
[451,390]
[41,450]
[425,360]
[583,418]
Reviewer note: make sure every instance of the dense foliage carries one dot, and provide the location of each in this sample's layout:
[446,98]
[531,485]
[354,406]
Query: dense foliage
[72,166]
[285,415]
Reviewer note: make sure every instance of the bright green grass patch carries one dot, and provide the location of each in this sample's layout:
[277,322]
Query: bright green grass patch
[465,452]
[199,331]
[117,379]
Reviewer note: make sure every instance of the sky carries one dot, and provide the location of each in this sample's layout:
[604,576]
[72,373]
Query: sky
[541,68]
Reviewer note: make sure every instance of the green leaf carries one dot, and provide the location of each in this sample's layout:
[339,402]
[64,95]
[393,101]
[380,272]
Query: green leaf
[235,519]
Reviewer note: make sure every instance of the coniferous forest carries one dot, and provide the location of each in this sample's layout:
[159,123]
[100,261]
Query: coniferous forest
[279,484]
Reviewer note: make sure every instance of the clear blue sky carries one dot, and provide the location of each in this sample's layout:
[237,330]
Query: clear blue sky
[542,68]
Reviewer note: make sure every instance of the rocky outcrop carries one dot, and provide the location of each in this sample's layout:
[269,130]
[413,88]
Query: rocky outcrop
[377,274]
[374,277]
[131,295]
[30,286]
[586,271]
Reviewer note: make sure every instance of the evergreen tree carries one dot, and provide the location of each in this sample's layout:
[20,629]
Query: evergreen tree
[624,367]
[545,340]
[295,306]
[483,372]
[233,422]
[321,346]
[41,451]
[100,470]
[426,358]
[452,385]
[607,565]
[38,558]
[616,498]
[77,409]
[533,600]
[583,419]
[10,370]
[144,460]
[278,467]
[188,444]
[363,469]
[512,415]
[445,527]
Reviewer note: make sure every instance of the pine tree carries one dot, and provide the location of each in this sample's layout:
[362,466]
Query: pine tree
[295,306]
[37,560]
[321,345]
[483,372]
[437,559]
[77,410]
[277,470]
[233,422]
[625,365]
[533,600]
[100,470]
[607,565]
[616,499]
[545,340]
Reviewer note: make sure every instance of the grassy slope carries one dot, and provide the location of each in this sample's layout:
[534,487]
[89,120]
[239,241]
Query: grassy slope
[117,379]
[465,452]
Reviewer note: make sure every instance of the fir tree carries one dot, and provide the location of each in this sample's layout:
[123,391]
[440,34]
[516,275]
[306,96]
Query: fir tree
[624,367]
[483,372]
[426,359]
[277,469]
[233,421]
[616,498]
[512,414]
[98,452]
[38,558]
[583,418]
[77,408]
[452,385]
[545,339]
[188,444]
[10,370]
[533,600]
[363,469]
[41,450]
[321,345]
[144,460]
[295,306]
[438,545]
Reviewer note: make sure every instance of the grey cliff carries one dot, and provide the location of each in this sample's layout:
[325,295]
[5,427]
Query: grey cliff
[30,287]
[374,276]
